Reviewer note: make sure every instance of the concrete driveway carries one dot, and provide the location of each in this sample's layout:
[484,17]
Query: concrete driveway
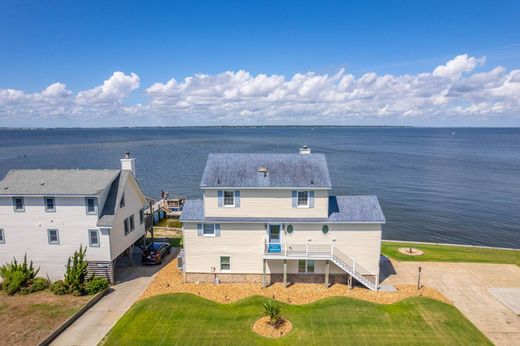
[90,328]
[467,286]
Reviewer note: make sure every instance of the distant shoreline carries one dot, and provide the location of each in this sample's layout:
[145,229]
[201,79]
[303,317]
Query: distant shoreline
[252,127]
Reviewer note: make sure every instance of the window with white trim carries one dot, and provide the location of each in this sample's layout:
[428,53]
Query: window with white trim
[126,226]
[305,266]
[18,204]
[50,204]
[90,203]
[141,216]
[229,198]
[2,236]
[93,237]
[208,230]
[225,263]
[132,223]
[53,236]
[303,198]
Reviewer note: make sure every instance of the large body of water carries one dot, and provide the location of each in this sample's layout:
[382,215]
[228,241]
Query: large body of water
[441,185]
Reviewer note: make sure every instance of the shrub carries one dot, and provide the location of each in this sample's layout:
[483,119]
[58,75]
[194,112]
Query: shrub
[76,273]
[16,275]
[39,284]
[96,285]
[272,310]
[59,288]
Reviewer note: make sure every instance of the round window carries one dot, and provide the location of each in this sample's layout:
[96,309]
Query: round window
[290,229]
[325,229]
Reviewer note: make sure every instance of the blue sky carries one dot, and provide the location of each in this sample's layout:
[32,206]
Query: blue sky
[82,44]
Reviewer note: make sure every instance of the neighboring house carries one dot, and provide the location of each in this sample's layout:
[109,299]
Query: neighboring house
[48,214]
[269,217]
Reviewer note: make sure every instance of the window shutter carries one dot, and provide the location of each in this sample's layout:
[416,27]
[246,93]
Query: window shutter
[217,230]
[220,198]
[294,199]
[237,199]
[199,229]
[311,199]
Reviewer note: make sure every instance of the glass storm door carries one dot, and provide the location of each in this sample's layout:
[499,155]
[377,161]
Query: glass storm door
[274,239]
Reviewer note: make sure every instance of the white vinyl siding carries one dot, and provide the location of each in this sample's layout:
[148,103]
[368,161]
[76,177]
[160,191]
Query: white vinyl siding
[53,236]
[244,242]
[265,203]
[93,237]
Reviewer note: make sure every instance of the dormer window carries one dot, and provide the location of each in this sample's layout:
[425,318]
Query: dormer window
[122,201]
[303,198]
[18,204]
[50,204]
[229,198]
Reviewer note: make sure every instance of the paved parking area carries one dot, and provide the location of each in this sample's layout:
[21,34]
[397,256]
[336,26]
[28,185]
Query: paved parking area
[467,286]
[90,328]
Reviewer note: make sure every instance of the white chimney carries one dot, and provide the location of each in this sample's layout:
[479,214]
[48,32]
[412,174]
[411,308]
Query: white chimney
[128,163]
[305,150]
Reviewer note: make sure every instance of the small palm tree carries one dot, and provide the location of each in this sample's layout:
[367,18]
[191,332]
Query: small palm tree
[272,310]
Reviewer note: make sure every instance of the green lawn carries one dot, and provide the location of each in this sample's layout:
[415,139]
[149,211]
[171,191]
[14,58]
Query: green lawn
[183,319]
[445,253]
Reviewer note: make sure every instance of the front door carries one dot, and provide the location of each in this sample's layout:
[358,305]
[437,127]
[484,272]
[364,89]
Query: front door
[274,239]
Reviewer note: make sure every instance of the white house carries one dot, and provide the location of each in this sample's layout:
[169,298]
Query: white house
[48,214]
[270,217]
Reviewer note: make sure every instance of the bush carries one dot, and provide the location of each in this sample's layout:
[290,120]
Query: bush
[272,310]
[59,288]
[16,275]
[96,285]
[39,284]
[76,273]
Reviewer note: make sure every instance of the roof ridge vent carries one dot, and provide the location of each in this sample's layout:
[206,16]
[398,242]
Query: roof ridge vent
[305,150]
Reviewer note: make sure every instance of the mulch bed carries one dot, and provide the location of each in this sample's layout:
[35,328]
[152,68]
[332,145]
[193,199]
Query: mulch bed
[410,251]
[263,328]
[170,280]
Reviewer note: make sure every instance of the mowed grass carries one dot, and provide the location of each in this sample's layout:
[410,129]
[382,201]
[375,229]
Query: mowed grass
[183,319]
[446,253]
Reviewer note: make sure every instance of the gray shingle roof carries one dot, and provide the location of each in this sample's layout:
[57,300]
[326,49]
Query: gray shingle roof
[114,195]
[56,181]
[341,209]
[284,170]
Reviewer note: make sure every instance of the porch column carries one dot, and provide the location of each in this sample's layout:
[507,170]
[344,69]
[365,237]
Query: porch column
[130,253]
[327,270]
[284,273]
[263,273]
[349,281]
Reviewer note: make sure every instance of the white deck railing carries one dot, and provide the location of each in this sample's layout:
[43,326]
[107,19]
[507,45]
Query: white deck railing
[324,251]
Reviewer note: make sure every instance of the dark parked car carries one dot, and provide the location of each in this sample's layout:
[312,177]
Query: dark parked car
[155,253]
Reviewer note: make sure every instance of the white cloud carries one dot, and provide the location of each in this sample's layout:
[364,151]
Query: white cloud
[454,89]
[455,67]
